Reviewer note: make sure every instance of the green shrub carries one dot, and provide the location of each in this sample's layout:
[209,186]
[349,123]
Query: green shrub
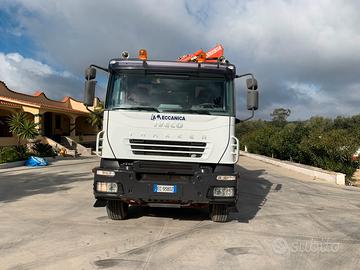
[319,142]
[259,141]
[7,154]
[22,151]
[331,150]
[13,153]
[43,150]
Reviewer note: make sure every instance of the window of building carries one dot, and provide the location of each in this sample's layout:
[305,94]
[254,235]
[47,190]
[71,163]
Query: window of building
[4,127]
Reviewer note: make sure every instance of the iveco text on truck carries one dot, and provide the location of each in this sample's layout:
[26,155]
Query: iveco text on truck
[168,137]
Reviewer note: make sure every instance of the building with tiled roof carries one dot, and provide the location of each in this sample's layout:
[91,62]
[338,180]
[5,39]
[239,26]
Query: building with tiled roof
[67,117]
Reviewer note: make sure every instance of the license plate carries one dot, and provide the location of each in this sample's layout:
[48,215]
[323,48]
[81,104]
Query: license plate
[164,188]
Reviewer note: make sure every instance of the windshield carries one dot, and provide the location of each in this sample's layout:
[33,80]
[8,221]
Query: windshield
[170,93]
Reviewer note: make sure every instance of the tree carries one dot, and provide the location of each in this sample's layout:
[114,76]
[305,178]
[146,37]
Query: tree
[286,140]
[22,127]
[321,142]
[320,124]
[244,128]
[330,150]
[280,115]
[96,116]
[258,141]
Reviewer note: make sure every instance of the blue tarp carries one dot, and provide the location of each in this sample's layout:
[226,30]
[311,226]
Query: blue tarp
[36,161]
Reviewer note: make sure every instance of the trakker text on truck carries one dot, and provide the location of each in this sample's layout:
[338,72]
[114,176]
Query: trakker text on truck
[168,137]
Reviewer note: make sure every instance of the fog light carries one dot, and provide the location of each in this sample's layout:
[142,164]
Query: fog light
[226,177]
[106,187]
[224,192]
[105,173]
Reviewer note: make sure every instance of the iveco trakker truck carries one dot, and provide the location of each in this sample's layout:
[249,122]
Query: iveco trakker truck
[168,137]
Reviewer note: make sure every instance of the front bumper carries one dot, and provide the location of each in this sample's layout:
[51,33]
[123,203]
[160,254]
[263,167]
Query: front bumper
[190,189]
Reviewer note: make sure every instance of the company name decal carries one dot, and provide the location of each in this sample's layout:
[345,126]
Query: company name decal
[167,117]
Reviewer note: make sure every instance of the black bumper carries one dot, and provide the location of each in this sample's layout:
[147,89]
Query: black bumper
[137,186]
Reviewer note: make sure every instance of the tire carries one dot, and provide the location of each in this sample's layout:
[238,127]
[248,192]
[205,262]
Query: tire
[117,210]
[219,212]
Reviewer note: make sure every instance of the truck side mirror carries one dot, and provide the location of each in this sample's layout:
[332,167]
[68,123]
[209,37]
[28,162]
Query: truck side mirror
[251,84]
[252,96]
[90,73]
[252,100]
[89,92]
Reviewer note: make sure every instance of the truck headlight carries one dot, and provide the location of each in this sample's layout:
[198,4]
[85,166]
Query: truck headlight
[105,173]
[226,177]
[106,187]
[224,192]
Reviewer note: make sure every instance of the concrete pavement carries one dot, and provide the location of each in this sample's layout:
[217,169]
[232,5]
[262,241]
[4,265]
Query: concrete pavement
[285,221]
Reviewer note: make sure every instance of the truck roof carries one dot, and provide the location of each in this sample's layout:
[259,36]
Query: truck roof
[157,66]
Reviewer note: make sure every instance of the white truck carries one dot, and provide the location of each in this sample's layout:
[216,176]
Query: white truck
[168,137]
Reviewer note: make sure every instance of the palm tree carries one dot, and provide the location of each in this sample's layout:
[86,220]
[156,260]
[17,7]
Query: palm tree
[96,116]
[22,127]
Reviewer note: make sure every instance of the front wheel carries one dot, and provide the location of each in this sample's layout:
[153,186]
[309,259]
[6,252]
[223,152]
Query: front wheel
[219,212]
[117,210]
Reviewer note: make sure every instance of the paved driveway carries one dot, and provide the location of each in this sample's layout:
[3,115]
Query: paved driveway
[285,221]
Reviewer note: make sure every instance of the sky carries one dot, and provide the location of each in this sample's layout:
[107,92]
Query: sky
[304,54]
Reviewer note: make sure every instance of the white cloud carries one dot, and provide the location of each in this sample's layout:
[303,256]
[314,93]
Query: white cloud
[28,75]
[27,64]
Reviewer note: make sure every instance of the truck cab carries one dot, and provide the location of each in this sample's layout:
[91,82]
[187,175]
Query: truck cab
[168,137]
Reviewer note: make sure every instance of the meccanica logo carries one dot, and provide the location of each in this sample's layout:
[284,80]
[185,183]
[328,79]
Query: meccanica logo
[167,117]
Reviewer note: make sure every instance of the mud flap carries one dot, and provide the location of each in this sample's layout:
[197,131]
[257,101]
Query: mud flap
[100,203]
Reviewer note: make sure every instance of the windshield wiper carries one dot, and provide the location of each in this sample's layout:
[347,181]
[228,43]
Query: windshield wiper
[138,108]
[192,111]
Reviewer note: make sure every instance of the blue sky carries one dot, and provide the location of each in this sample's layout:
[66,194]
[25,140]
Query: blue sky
[306,54]
[13,41]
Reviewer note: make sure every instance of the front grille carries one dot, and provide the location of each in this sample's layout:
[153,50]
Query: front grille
[167,148]
[159,167]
